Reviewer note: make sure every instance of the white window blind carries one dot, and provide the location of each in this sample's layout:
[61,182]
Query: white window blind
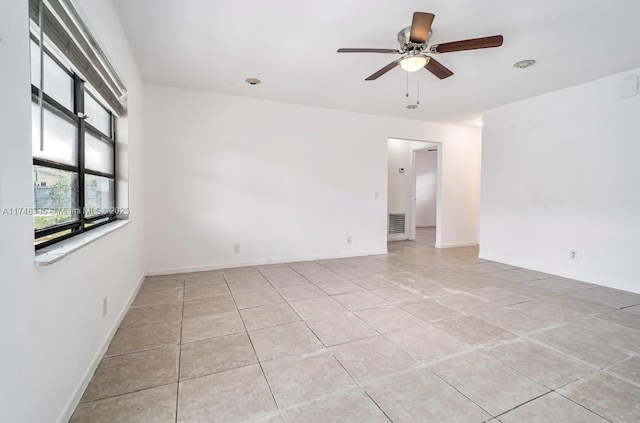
[62,25]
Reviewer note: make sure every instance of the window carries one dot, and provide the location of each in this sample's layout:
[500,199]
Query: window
[74,158]
[76,95]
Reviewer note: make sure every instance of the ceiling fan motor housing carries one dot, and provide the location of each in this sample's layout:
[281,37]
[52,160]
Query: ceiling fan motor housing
[404,38]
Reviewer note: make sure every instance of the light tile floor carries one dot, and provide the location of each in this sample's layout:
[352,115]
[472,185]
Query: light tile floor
[418,335]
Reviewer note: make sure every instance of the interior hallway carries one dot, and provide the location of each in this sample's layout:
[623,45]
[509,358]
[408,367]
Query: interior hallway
[420,334]
[426,236]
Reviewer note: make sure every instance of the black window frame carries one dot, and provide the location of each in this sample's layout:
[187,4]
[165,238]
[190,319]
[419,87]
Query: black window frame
[83,223]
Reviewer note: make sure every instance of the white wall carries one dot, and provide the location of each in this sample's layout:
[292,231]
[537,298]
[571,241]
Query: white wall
[560,172]
[426,178]
[286,182]
[51,322]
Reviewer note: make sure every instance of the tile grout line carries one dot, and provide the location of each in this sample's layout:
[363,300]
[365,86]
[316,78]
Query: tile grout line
[458,391]
[161,347]
[555,390]
[184,289]
[562,353]
[200,376]
[338,361]
[583,406]
[362,387]
[522,404]
[327,348]
[251,342]
[128,393]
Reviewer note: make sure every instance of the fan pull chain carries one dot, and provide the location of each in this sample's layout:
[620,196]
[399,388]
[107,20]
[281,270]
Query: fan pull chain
[407,93]
[418,97]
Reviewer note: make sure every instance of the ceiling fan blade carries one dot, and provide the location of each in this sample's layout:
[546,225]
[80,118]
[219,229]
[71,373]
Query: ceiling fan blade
[420,27]
[472,44]
[368,50]
[438,69]
[382,71]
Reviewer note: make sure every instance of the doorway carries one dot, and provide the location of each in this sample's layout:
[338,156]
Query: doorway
[425,195]
[409,189]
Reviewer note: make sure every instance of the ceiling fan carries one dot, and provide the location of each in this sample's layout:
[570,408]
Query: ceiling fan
[413,46]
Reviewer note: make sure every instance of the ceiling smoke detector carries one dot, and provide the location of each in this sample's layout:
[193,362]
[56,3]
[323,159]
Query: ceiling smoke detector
[252,81]
[523,64]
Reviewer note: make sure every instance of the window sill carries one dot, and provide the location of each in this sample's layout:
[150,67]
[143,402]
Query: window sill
[55,252]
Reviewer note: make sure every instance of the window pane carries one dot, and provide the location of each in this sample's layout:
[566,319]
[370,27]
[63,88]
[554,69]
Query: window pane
[98,195]
[97,115]
[96,222]
[98,154]
[60,137]
[46,238]
[57,82]
[55,196]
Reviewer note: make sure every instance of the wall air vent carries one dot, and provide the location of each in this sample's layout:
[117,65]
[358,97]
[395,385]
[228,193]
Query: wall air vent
[396,223]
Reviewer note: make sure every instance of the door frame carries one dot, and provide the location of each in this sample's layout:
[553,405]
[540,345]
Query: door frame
[412,218]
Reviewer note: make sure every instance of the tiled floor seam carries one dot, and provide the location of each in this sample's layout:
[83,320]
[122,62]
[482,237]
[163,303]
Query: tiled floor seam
[460,392]
[212,337]
[184,283]
[319,399]
[614,323]
[443,359]
[129,393]
[148,324]
[377,405]
[617,375]
[586,408]
[526,402]
[421,366]
[342,343]
[155,304]
[626,307]
[161,347]
[254,348]
[531,378]
[565,354]
[200,376]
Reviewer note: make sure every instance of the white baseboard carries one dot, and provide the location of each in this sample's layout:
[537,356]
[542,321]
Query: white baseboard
[545,269]
[458,244]
[73,402]
[203,268]
[397,237]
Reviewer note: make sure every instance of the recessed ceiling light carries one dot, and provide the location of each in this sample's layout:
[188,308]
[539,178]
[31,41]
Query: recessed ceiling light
[252,81]
[523,64]
[412,106]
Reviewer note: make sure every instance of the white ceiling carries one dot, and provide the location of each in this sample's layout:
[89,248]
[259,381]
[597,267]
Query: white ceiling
[291,46]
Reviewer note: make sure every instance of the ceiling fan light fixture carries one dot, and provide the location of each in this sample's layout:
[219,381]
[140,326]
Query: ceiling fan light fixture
[414,62]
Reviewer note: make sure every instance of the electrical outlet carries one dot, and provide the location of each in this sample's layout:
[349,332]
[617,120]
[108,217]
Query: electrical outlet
[349,239]
[236,248]
[105,305]
[573,255]
[376,195]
